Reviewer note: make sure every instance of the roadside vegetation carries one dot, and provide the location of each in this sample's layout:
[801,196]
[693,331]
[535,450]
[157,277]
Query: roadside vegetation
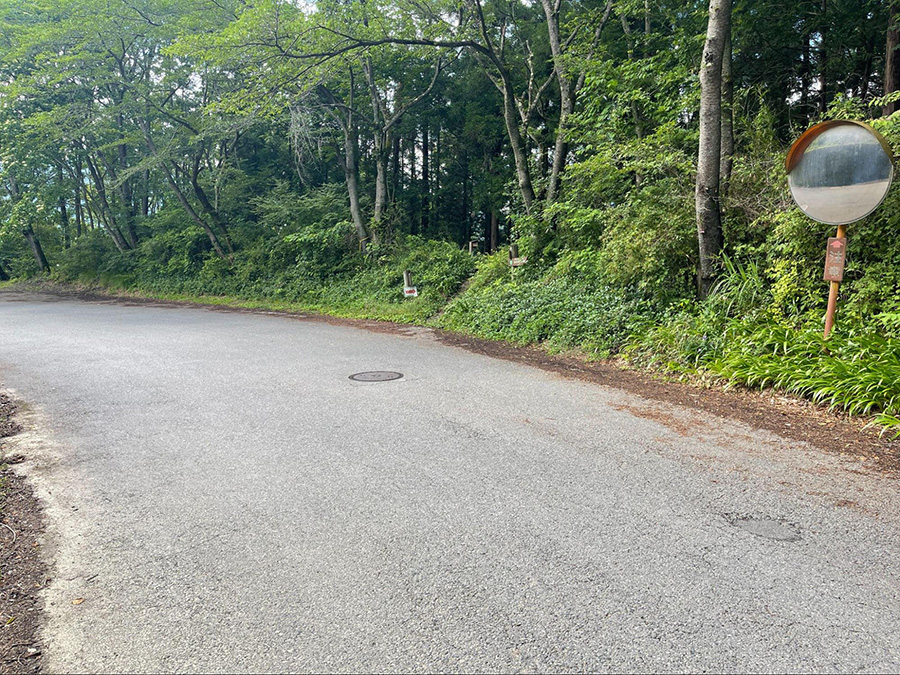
[305,158]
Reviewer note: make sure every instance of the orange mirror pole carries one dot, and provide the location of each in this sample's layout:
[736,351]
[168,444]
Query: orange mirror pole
[833,291]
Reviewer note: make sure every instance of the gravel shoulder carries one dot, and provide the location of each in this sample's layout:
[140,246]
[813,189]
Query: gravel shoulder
[23,573]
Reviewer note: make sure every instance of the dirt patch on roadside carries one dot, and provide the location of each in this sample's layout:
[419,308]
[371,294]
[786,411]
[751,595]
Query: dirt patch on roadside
[789,417]
[22,572]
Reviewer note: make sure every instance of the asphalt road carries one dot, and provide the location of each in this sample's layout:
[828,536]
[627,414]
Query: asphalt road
[225,499]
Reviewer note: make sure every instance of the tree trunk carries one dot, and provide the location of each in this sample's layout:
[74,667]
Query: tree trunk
[186,205]
[823,61]
[36,248]
[79,213]
[805,76]
[382,148]
[467,216]
[145,193]
[413,222]
[396,167]
[436,205]
[27,231]
[495,230]
[127,200]
[63,212]
[727,121]
[207,206]
[4,276]
[867,68]
[426,184]
[351,175]
[125,190]
[566,100]
[709,216]
[106,216]
[891,65]
[511,119]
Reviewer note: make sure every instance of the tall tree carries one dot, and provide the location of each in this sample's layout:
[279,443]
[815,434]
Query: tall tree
[709,156]
[891,60]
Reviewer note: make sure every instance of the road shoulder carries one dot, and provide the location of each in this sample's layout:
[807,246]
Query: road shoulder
[23,572]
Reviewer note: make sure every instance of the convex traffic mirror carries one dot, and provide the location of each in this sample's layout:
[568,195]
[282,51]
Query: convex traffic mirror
[839,171]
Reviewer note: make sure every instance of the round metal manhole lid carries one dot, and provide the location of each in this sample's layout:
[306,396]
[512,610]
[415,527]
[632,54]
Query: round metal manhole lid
[376,376]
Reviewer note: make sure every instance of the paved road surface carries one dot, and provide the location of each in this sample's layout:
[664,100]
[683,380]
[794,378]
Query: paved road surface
[225,498]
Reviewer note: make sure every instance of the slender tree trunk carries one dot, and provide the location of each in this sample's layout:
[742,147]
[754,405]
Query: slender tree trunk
[91,216]
[495,230]
[436,205]
[891,64]
[27,231]
[396,166]
[823,61]
[866,78]
[709,216]
[4,276]
[805,76]
[467,216]
[106,215]
[413,199]
[635,112]
[127,198]
[36,248]
[124,190]
[207,206]
[566,99]
[186,205]
[426,182]
[349,160]
[145,193]
[382,148]
[79,213]
[727,121]
[351,176]
[520,156]
[63,211]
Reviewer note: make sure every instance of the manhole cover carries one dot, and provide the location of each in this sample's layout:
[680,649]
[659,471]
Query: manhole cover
[376,376]
[768,528]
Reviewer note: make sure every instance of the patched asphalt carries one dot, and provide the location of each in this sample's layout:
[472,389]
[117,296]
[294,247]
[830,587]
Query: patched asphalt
[225,498]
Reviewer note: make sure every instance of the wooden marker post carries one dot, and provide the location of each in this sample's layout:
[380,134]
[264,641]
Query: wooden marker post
[514,259]
[409,291]
[834,272]
[472,249]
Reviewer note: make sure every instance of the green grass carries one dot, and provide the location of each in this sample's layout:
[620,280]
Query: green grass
[858,374]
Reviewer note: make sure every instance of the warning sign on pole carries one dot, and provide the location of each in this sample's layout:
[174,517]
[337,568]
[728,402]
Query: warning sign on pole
[834,259]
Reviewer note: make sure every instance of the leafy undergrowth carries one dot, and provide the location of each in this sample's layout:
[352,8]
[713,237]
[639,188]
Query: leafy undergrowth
[352,285]
[857,374]
[561,308]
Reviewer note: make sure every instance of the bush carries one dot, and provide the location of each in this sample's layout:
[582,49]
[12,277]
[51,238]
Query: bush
[567,307]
